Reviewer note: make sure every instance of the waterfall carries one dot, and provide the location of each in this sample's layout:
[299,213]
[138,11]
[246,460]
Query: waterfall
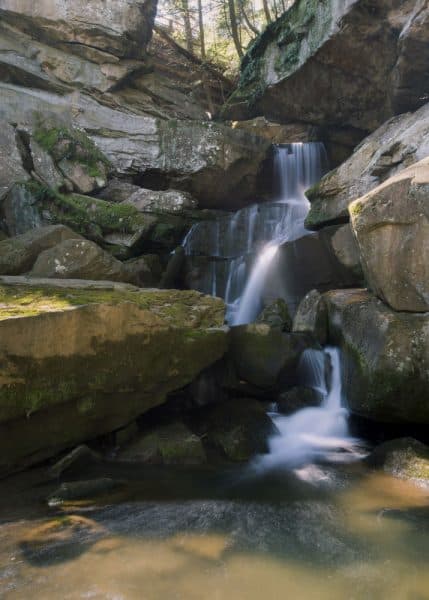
[241,248]
[316,433]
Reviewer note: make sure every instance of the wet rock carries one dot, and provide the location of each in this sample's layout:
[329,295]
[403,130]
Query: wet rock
[385,357]
[405,458]
[276,315]
[265,356]
[391,224]
[312,317]
[18,254]
[81,490]
[11,168]
[81,359]
[60,539]
[297,398]
[168,444]
[80,259]
[393,147]
[76,460]
[237,429]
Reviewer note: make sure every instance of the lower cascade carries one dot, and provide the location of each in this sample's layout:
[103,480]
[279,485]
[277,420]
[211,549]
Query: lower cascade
[248,243]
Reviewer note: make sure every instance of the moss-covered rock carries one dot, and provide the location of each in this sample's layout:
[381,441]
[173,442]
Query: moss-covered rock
[385,355]
[79,362]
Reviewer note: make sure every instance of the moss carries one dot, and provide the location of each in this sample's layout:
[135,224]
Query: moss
[73,145]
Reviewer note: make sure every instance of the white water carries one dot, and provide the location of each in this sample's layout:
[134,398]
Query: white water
[316,434]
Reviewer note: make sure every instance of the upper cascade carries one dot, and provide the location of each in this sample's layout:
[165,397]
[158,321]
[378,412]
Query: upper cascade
[239,241]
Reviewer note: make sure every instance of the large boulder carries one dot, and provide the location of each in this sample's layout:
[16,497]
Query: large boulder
[385,357]
[346,65]
[18,254]
[119,27]
[405,458]
[391,224]
[223,171]
[81,359]
[79,259]
[395,146]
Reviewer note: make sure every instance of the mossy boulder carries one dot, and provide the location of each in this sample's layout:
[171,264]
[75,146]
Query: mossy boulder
[81,359]
[167,444]
[385,357]
[276,315]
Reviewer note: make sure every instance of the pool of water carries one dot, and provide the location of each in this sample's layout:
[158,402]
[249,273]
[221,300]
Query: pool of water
[323,532]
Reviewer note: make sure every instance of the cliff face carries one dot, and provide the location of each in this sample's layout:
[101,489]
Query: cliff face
[345,65]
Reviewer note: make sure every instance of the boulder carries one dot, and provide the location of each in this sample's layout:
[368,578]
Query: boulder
[117,190]
[235,430]
[395,146]
[144,271]
[80,458]
[81,359]
[80,259]
[160,201]
[312,317]
[265,356]
[223,173]
[82,490]
[11,166]
[337,64]
[45,167]
[119,27]
[168,444]
[391,224]
[18,254]
[19,210]
[385,357]
[297,398]
[276,315]
[278,133]
[405,458]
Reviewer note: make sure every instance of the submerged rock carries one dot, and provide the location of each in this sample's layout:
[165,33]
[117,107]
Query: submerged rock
[405,458]
[391,225]
[385,357]
[81,359]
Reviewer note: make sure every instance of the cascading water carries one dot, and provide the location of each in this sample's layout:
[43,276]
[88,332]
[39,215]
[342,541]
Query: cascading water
[241,248]
[242,254]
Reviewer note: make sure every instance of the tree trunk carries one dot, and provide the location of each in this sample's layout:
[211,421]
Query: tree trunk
[234,28]
[266,11]
[201,28]
[248,22]
[187,23]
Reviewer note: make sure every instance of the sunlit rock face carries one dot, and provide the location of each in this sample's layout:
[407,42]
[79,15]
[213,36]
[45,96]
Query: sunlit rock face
[391,224]
[394,146]
[385,355]
[119,27]
[84,358]
[346,65]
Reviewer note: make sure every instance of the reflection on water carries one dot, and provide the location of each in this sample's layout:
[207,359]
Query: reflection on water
[359,535]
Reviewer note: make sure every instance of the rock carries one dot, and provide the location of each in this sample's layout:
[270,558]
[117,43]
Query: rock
[276,315]
[80,259]
[297,398]
[278,133]
[59,539]
[19,211]
[126,434]
[118,190]
[391,224]
[237,429]
[168,201]
[173,274]
[76,460]
[81,359]
[78,175]
[168,444]
[264,356]
[344,248]
[81,490]
[312,317]
[11,168]
[385,357]
[224,173]
[405,458]
[119,27]
[44,166]
[18,254]
[395,146]
[144,271]
[346,65]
